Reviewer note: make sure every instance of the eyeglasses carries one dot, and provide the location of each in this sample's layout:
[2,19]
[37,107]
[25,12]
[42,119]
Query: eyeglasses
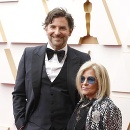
[90,79]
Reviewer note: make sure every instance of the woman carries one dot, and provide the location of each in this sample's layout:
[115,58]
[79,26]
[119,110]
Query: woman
[95,110]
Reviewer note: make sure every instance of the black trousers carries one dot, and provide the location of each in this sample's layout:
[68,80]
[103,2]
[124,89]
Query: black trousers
[32,126]
[52,128]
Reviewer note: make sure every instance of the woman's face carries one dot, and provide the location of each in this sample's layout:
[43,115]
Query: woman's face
[89,84]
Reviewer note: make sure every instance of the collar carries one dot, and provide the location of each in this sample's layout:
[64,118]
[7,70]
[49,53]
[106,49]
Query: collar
[65,48]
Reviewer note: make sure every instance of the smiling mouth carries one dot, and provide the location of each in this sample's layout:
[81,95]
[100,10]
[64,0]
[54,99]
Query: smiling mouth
[57,39]
[84,88]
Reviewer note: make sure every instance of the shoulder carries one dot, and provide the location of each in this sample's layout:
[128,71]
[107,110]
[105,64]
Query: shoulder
[33,48]
[106,105]
[107,102]
[36,49]
[78,53]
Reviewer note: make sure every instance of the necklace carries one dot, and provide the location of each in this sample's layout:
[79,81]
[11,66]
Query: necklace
[83,105]
[79,111]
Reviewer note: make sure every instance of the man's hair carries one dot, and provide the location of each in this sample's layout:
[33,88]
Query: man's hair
[56,13]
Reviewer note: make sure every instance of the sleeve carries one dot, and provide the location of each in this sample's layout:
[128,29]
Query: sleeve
[19,95]
[113,118]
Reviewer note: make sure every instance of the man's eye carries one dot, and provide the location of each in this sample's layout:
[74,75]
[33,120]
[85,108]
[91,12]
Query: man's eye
[63,28]
[52,27]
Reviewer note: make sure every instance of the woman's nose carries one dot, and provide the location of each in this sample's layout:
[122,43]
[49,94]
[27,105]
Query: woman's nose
[85,82]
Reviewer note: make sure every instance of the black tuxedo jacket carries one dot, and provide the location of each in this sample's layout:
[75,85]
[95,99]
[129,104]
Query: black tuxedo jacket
[26,92]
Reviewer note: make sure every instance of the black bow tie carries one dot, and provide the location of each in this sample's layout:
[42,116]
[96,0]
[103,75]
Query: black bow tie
[60,54]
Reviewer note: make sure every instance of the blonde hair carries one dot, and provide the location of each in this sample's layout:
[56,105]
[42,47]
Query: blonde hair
[101,76]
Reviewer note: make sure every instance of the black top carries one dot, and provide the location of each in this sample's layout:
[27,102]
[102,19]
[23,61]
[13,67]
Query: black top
[78,118]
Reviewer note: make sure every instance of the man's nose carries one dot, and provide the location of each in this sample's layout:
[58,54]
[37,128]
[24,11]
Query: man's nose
[57,31]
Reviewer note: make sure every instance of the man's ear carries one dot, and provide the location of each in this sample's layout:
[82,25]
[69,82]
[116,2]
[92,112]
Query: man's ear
[71,30]
[45,28]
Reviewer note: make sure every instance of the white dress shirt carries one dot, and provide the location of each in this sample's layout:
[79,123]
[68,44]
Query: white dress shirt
[53,66]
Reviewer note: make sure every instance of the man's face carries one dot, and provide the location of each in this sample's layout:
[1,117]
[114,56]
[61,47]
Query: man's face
[58,33]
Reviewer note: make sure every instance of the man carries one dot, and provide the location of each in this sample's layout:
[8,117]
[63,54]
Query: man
[45,95]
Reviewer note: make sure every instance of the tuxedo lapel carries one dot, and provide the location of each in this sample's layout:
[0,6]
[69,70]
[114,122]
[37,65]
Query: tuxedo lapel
[37,66]
[73,64]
